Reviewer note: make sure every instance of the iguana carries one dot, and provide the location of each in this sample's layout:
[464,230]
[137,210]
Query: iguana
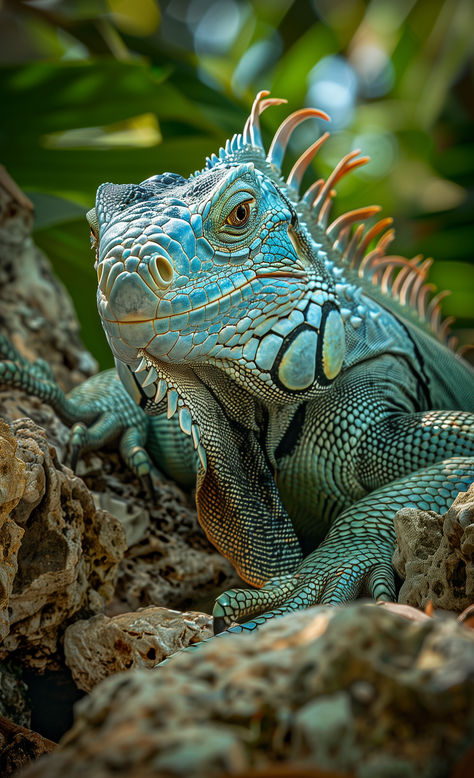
[306,370]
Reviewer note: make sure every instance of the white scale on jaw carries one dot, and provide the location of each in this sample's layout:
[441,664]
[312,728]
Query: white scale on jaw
[175,403]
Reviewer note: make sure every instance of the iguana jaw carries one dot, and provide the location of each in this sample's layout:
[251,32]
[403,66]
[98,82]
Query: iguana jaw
[307,342]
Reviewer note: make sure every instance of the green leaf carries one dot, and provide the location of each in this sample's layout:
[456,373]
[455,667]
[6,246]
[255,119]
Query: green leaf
[46,97]
[76,173]
[290,78]
[51,210]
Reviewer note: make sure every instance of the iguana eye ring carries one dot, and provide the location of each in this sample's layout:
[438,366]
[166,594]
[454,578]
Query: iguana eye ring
[93,239]
[239,216]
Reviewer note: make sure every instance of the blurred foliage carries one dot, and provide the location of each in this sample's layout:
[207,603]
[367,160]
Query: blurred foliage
[117,90]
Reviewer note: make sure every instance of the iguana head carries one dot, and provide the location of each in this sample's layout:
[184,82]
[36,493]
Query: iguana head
[219,269]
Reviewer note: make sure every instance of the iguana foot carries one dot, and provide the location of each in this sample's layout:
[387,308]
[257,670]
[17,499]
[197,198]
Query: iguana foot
[329,575]
[355,558]
[98,411]
[105,429]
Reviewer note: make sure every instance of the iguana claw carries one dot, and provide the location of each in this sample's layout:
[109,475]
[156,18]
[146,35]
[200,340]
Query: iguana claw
[318,580]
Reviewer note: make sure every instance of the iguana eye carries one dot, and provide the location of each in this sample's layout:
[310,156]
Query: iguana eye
[239,216]
[93,239]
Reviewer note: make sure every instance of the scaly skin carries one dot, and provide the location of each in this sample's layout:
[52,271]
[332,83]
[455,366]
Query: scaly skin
[317,401]
[100,411]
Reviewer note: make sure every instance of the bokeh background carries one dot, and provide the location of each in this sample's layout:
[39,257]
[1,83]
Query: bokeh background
[118,90]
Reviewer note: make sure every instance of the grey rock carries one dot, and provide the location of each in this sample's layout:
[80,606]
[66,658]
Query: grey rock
[67,556]
[101,646]
[324,730]
[135,519]
[388,766]
[288,694]
[37,312]
[169,561]
[435,555]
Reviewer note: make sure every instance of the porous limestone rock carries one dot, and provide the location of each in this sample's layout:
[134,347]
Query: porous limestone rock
[14,702]
[36,311]
[170,562]
[12,486]
[133,517]
[174,565]
[101,646]
[435,555]
[353,688]
[36,314]
[68,557]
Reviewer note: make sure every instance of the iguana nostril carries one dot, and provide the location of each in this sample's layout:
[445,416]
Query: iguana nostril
[129,297]
[161,270]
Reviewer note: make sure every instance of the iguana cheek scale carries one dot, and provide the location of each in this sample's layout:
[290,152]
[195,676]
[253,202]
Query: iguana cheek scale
[306,367]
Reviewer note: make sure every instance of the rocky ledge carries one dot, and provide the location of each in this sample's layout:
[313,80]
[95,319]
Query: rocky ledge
[358,689]
[62,554]
[435,555]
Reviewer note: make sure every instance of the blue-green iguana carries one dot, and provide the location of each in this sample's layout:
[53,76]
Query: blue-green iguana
[308,371]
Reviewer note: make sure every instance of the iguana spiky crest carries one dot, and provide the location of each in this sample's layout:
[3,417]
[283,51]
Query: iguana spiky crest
[233,280]
[401,282]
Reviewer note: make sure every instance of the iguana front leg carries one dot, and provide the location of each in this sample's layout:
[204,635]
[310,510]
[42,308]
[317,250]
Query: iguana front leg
[355,556]
[98,411]
[239,506]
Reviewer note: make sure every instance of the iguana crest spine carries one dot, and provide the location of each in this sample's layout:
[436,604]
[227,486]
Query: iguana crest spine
[403,281]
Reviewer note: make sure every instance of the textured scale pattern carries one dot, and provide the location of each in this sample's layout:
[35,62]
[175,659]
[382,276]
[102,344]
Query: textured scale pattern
[287,363]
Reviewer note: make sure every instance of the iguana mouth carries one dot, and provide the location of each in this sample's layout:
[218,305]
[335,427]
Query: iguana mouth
[234,296]
[283,274]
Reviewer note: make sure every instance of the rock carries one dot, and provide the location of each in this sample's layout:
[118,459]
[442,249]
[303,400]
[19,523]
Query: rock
[435,555]
[101,646]
[321,726]
[68,556]
[14,704]
[12,486]
[18,746]
[174,565]
[135,519]
[353,688]
[414,614]
[170,562]
[36,311]
[33,303]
